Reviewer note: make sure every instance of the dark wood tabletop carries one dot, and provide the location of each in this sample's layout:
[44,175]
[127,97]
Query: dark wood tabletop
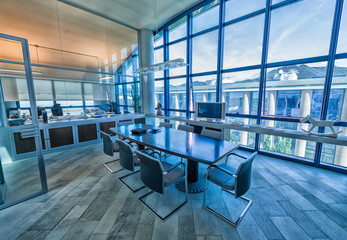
[180,143]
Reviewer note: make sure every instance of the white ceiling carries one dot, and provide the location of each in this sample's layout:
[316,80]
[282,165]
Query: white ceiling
[139,14]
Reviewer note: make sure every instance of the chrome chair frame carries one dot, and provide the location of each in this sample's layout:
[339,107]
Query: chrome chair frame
[111,161]
[237,222]
[162,219]
[130,188]
[249,201]
[127,175]
[110,169]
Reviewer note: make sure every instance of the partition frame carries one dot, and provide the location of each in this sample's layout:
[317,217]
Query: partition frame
[35,120]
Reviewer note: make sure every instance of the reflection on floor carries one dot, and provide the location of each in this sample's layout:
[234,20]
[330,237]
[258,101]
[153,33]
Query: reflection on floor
[22,179]
[85,201]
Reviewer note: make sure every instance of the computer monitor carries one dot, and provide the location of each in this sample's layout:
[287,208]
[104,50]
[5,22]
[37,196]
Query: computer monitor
[210,110]
[57,110]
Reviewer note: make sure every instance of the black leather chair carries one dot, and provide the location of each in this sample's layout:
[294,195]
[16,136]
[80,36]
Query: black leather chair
[165,124]
[109,149]
[231,180]
[157,175]
[186,128]
[128,160]
[211,134]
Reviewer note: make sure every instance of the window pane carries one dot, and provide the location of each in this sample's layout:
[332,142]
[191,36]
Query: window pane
[178,50]
[295,90]
[158,58]
[43,90]
[238,8]
[205,52]
[204,89]
[337,109]
[301,30]
[240,91]
[176,114]
[241,49]
[159,93]
[241,137]
[342,43]
[206,17]
[178,93]
[158,39]
[178,29]
[65,91]
[335,154]
[288,146]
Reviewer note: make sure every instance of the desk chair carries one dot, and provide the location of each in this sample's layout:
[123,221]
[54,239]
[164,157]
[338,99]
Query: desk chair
[157,175]
[128,160]
[164,124]
[109,149]
[233,181]
[211,134]
[185,128]
[167,125]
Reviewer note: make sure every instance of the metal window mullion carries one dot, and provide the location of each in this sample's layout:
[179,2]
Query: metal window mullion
[329,75]
[83,97]
[124,87]
[219,90]
[186,12]
[166,72]
[135,93]
[262,84]
[189,83]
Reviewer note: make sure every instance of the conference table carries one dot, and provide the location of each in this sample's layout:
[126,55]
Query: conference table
[191,146]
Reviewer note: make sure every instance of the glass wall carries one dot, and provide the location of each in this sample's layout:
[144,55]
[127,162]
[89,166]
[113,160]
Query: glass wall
[73,58]
[271,71]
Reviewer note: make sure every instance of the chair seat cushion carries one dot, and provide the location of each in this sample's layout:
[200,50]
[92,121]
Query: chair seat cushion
[173,176]
[221,178]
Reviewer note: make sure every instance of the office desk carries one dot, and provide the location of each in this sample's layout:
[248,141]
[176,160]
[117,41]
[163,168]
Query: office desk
[194,147]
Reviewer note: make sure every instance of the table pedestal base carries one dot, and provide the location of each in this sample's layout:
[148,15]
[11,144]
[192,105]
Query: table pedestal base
[193,187]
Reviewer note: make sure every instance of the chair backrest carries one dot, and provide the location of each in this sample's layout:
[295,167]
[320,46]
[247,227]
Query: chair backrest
[126,155]
[185,128]
[243,176]
[125,122]
[108,144]
[152,172]
[211,134]
[164,124]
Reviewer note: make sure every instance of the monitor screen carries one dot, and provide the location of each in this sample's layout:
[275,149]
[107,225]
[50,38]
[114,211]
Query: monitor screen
[210,110]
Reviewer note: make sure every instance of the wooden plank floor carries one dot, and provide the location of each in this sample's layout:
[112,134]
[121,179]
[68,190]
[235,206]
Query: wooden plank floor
[85,201]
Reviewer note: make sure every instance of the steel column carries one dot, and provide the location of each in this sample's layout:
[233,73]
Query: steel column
[262,84]
[219,90]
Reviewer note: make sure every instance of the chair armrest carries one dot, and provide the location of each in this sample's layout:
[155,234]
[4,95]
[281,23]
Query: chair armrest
[153,152]
[235,154]
[223,170]
[174,166]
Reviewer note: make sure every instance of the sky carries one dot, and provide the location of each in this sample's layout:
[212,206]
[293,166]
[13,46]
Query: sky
[297,31]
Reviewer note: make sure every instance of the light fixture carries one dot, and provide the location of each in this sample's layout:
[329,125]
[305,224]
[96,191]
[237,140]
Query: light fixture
[8,70]
[104,78]
[179,62]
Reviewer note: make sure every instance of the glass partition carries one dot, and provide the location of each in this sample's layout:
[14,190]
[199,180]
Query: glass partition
[19,131]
